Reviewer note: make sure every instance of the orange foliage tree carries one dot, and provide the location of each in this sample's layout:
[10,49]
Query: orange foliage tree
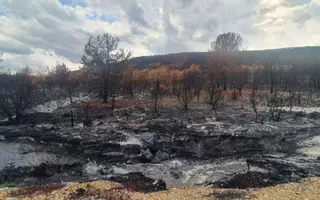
[158,76]
[188,85]
[213,73]
[212,89]
[216,68]
[238,77]
[223,63]
[127,79]
[140,78]
[175,77]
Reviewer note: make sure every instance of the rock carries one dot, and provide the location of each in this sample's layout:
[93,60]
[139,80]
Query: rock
[250,180]
[87,123]
[160,156]
[100,116]
[123,112]
[314,115]
[100,123]
[113,154]
[169,136]
[165,125]
[25,139]
[287,170]
[40,118]
[176,174]
[146,155]
[269,171]
[66,115]
[12,174]
[2,138]
[78,137]
[106,170]
[140,182]
[131,149]
[300,114]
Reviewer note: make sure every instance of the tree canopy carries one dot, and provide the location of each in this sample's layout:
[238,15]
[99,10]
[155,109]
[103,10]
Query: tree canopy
[227,42]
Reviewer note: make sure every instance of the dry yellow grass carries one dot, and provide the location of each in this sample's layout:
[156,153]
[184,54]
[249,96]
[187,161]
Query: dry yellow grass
[189,194]
[63,193]
[169,102]
[307,189]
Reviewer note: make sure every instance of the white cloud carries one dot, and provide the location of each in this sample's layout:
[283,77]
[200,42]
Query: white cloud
[42,32]
[287,25]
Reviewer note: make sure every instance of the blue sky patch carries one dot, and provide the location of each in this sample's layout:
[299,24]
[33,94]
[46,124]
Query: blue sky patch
[92,16]
[108,18]
[297,2]
[73,3]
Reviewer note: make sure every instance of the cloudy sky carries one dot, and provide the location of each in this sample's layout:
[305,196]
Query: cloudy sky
[40,33]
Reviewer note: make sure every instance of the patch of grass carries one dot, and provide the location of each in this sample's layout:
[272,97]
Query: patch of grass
[119,193]
[169,102]
[113,194]
[307,189]
[228,195]
[101,105]
[7,185]
[25,192]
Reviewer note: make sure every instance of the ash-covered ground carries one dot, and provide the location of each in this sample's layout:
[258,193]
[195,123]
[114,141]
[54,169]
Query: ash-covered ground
[160,150]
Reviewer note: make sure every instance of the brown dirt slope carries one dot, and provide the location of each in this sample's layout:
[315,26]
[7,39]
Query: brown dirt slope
[306,189]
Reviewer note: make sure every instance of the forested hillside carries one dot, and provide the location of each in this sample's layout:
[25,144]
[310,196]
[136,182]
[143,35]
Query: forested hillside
[300,56]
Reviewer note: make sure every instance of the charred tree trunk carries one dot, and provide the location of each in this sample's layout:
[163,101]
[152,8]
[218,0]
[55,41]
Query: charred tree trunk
[105,90]
[18,118]
[224,79]
[113,100]
[72,121]
[240,91]
[225,84]
[43,90]
[299,97]
[131,91]
[70,94]
[86,111]
[174,87]
[271,81]
[185,107]
[156,96]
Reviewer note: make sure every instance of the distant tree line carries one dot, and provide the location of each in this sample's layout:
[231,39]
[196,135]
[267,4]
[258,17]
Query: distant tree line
[23,89]
[109,70]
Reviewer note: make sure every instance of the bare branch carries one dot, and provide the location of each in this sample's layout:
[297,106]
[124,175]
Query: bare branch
[227,42]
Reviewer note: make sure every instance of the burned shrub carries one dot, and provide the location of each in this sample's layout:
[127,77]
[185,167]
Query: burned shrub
[275,104]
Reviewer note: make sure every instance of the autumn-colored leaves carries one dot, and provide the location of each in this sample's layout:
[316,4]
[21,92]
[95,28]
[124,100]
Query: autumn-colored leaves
[187,83]
[155,73]
[161,79]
